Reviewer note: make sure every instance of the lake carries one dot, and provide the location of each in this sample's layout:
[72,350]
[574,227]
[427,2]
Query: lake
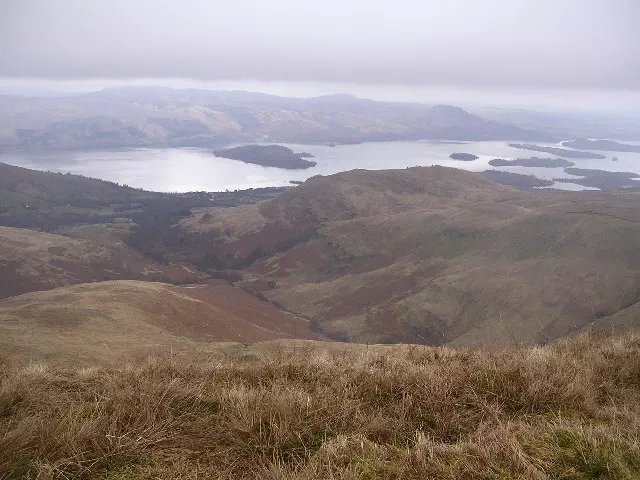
[195,169]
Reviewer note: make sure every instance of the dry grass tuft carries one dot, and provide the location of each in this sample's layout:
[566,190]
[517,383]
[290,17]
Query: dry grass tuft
[569,410]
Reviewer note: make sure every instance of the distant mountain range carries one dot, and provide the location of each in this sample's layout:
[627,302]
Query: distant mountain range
[583,124]
[154,116]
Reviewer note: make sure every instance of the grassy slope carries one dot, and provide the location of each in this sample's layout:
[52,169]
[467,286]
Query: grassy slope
[565,411]
[98,322]
[432,255]
[30,192]
[114,234]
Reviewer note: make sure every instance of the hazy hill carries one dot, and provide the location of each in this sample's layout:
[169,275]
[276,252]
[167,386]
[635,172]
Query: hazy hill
[105,321]
[432,255]
[162,116]
[606,145]
[578,124]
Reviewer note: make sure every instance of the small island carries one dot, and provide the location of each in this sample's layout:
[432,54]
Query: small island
[602,179]
[532,162]
[592,171]
[268,156]
[605,145]
[560,152]
[464,157]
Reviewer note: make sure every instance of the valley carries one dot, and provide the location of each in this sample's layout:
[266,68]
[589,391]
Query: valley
[428,255]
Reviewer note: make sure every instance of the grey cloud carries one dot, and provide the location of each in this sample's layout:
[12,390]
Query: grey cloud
[491,43]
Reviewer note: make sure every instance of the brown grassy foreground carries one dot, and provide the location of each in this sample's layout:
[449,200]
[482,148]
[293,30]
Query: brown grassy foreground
[569,410]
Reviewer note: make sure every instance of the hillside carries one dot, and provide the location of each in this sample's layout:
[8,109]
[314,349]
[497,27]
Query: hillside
[31,261]
[49,200]
[303,412]
[101,322]
[44,200]
[65,189]
[428,255]
[141,116]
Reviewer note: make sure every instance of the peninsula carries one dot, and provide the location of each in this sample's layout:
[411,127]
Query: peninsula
[560,152]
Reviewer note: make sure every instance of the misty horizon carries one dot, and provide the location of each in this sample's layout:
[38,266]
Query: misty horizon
[567,55]
[567,101]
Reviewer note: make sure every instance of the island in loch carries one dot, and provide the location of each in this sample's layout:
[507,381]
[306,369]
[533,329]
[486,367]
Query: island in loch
[560,152]
[268,156]
[464,157]
[532,162]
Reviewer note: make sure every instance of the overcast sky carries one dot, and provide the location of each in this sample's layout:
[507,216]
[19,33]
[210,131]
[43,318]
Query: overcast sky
[452,45]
